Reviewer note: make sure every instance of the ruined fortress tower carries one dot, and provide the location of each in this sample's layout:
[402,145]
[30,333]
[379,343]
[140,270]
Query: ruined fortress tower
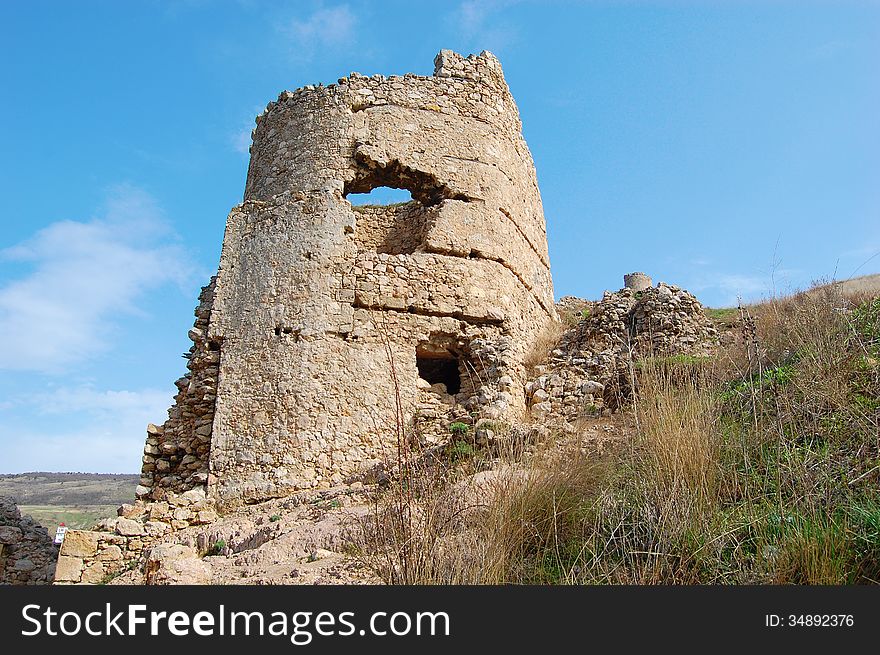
[329,327]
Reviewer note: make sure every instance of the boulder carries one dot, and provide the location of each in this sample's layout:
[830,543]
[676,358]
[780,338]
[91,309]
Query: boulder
[80,543]
[129,527]
[68,569]
[176,564]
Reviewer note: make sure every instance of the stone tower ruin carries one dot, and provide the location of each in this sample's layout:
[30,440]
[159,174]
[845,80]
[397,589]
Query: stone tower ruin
[331,329]
[637,281]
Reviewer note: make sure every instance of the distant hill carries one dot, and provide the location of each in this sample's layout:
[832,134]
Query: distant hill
[66,489]
[866,284]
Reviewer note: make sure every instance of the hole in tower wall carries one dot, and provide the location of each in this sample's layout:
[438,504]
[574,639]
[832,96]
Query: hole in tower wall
[380,196]
[440,369]
[393,229]
[424,187]
[387,220]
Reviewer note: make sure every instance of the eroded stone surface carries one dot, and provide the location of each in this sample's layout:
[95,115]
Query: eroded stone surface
[312,344]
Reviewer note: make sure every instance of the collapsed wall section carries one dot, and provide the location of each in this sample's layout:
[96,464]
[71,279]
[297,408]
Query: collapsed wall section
[175,455]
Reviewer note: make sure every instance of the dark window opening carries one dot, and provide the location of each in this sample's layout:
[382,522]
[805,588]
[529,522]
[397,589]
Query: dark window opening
[440,370]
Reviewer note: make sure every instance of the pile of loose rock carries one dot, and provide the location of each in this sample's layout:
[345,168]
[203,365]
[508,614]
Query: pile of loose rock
[658,321]
[593,360]
[27,554]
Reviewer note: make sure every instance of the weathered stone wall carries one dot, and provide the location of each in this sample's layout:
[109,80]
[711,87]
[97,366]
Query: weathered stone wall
[118,544]
[176,453]
[27,554]
[323,311]
[392,229]
[656,321]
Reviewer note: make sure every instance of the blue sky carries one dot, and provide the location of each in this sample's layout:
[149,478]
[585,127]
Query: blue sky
[729,147]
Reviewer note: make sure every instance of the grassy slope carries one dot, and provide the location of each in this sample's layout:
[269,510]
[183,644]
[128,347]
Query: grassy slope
[59,489]
[81,517]
[866,284]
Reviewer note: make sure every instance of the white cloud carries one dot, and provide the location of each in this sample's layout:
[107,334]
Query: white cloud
[104,404]
[240,138]
[81,275]
[728,289]
[86,429]
[834,48]
[736,288]
[481,26]
[743,284]
[326,26]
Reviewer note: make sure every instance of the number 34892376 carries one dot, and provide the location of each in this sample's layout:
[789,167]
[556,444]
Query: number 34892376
[809,620]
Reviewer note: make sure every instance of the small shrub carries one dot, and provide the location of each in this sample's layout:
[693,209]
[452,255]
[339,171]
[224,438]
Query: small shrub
[459,429]
[218,547]
[866,323]
[461,449]
[130,566]
[275,517]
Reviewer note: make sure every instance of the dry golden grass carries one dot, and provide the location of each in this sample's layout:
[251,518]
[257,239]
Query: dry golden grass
[677,430]
[544,344]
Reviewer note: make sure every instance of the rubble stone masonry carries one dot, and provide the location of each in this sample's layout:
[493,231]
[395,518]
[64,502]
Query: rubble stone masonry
[328,325]
[27,554]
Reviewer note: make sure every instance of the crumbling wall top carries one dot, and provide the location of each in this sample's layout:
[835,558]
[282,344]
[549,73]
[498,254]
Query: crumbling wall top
[484,67]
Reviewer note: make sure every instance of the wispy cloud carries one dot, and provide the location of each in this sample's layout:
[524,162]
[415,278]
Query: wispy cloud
[240,137]
[728,289]
[482,25]
[834,48]
[103,403]
[743,287]
[326,26]
[78,276]
[85,429]
[241,140]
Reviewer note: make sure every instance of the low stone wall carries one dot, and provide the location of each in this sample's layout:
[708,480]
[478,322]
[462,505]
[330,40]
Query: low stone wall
[118,544]
[92,557]
[27,554]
